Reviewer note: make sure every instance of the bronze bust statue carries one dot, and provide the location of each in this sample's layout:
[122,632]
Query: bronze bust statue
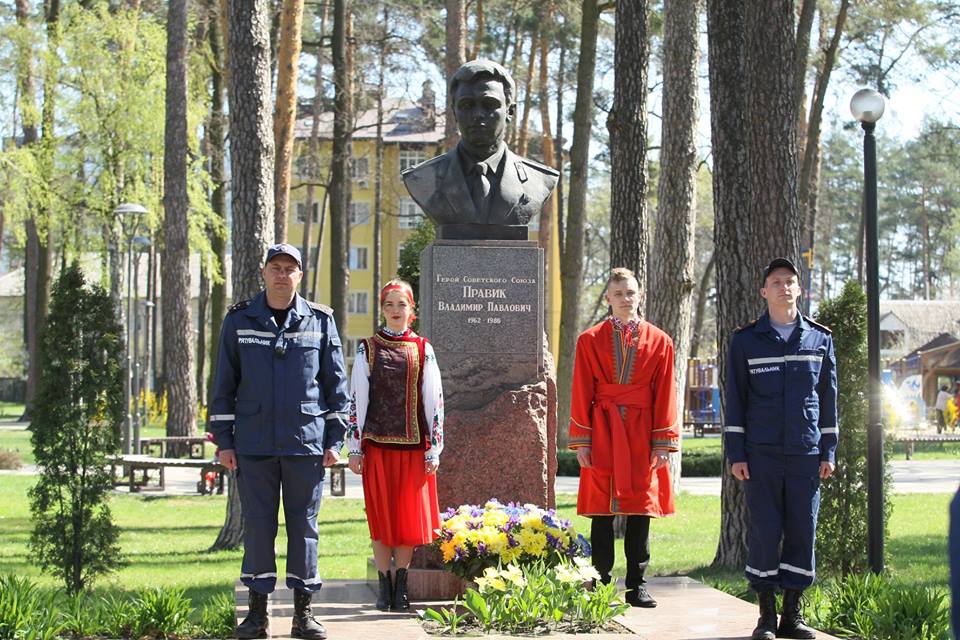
[481,189]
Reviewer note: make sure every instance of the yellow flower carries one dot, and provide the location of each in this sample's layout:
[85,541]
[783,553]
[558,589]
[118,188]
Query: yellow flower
[510,554]
[533,542]
[448,549]
[532,521]
[495,518]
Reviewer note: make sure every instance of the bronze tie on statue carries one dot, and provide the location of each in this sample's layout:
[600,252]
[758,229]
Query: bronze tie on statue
[480,188]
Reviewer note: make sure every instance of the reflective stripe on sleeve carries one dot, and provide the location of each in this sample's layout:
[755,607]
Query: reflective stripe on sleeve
[223,417]
[732,429]
[830,430]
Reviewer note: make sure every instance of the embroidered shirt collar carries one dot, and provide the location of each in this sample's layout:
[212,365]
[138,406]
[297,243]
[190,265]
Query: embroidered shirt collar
[620,325]
[395,334]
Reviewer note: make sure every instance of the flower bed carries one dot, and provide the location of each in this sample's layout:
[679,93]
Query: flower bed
[473,538]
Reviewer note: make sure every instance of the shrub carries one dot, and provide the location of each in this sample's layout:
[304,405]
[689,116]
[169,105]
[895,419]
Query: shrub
[842,529]
[25,611]
[701,464]
[77,416]
[160,613]
[217,617]
[872,606]
[567,464]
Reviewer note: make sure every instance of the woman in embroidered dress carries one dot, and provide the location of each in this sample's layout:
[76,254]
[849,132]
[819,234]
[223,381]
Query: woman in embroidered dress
[395,437]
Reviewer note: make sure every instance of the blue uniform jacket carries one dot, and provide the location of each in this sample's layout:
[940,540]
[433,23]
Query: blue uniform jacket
[781,393]
[268,404]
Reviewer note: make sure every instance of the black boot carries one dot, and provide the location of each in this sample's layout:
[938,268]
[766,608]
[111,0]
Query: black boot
[385,597]
[640,597]
[401,601]
[256,624]
[792,624]
[303,624]
[767,624]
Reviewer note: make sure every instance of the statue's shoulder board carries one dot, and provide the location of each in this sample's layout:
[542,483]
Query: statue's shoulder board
[423,165]
[542,168]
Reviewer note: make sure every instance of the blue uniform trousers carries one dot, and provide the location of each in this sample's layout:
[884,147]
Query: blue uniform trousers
[261,479]
[954,552]
[783,497]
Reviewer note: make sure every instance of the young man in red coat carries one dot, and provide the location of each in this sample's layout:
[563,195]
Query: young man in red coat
[623,425]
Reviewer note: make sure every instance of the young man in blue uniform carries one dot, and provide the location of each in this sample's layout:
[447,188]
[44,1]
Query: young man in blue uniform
[278,417]
[780,435]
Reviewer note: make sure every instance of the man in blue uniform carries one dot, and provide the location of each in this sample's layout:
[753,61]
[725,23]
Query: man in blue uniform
[278,417]
[780,435]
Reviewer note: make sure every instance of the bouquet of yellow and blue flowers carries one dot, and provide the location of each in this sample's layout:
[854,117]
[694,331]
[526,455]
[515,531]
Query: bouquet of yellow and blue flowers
[472,538]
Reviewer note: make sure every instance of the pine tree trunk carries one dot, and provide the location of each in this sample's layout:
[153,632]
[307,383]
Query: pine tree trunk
[732,233]
[340,184]
[672,274]
[175,279]
[251,154]
[755,162]
[545,231]
[701,307]
[218,197]
[571,264]
[454,56]
[378,184]
[524,135]
[313,148]
[627,124]
[285,113]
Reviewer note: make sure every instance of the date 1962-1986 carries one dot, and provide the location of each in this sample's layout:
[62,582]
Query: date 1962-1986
[478,320]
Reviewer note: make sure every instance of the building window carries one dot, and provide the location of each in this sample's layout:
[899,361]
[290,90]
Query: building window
[307,166]
[410,158]
[359,302]
[360,170]
[302,212]
[350,348]
[359,213]
[358,258]
[410,214]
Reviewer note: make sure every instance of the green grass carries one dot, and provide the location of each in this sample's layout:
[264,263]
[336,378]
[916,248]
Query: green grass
[926,451]
[705,444]
[18,440]
[166,539]
[10,410]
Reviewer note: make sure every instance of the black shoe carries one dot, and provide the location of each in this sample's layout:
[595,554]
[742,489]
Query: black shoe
[767,624]
[792,624]
[256,624]
[401,601]
[303,625]
[639,597]
[385,597]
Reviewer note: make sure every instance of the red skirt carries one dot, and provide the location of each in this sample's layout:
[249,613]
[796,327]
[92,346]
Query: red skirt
[401,499]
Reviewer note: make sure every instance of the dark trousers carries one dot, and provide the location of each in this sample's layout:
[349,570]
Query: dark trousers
[783,498]
[261,480]
[941,421]
[636,546]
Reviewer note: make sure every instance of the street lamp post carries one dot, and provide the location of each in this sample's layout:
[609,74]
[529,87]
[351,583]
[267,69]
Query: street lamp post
[867,107]
[129,214]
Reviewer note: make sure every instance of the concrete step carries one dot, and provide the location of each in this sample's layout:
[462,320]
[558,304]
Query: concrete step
[688,610]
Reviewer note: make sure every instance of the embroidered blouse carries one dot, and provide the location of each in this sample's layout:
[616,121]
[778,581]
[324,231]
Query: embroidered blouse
[431,393]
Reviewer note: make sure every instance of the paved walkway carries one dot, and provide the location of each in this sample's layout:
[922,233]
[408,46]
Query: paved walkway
[689,610]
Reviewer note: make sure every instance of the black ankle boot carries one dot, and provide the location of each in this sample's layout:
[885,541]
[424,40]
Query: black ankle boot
[385,597]
[303,625]
[256,624]
[792,624]
[401,601]
[767,624]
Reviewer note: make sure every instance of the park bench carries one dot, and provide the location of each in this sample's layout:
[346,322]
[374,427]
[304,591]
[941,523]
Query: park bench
[157,447]
[132,465]
[135,473]
[910,439]
[700,428]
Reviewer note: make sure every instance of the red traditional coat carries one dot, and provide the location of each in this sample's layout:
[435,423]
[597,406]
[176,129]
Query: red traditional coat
[623,405]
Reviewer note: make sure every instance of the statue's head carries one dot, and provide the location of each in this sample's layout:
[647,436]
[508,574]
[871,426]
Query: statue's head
[484,101]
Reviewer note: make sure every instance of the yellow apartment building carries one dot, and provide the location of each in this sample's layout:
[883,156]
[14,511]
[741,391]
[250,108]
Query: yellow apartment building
[412,133]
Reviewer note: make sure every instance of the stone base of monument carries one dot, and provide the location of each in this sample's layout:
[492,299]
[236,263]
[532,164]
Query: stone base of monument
[482,308]
[423,584]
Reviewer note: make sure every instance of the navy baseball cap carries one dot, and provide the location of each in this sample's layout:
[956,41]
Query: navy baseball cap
[283,249]
[779,263]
